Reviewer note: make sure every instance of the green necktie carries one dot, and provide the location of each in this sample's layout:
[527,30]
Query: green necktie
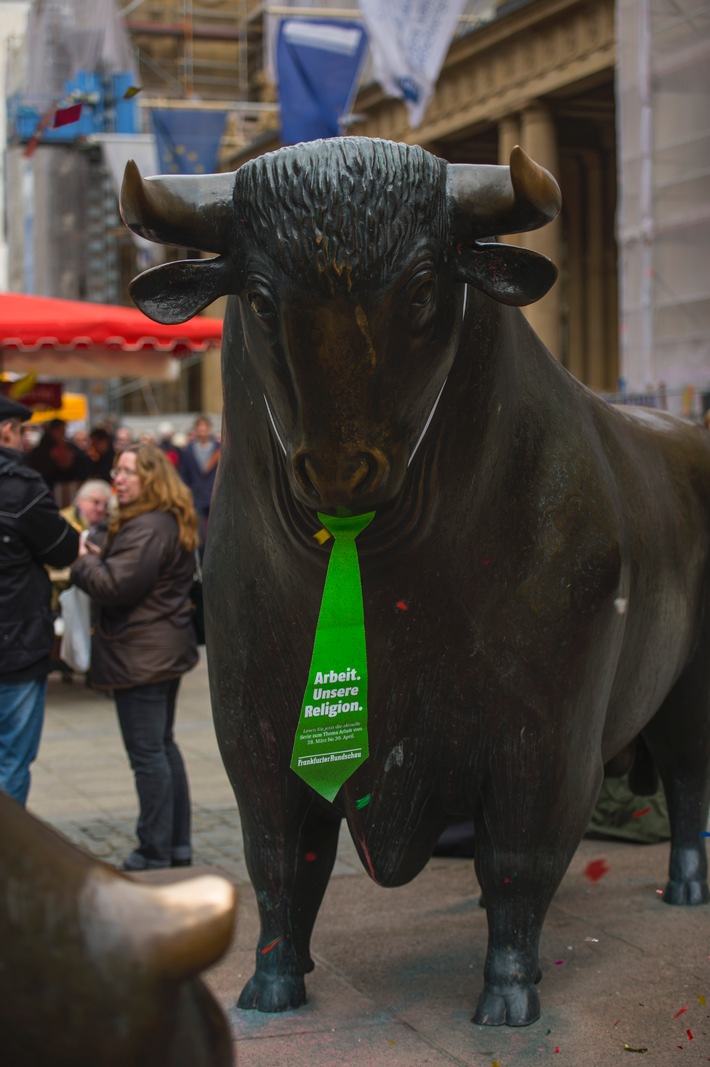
[331,738]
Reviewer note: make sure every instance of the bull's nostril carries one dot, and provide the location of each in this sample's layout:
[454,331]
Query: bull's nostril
[340,477]
[305,474]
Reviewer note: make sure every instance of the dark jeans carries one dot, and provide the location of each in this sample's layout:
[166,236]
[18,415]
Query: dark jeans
[146,714]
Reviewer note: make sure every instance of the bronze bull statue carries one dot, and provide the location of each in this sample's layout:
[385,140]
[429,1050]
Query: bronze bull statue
[535,579]
[99,970]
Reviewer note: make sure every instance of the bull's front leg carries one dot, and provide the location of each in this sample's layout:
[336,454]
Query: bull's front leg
[526,835]
[290,843]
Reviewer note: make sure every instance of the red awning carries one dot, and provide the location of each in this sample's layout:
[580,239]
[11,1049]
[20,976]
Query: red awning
[71,338]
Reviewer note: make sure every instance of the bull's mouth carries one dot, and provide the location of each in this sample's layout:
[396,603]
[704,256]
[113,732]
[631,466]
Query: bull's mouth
[397,490]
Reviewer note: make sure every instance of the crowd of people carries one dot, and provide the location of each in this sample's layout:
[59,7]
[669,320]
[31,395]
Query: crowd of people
[125,521]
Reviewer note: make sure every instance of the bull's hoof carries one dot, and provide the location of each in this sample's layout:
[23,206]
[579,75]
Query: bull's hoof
[691,891]
[519,1006]
[267,993]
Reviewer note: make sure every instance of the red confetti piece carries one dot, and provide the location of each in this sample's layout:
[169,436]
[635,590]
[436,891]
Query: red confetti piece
[690,1034]
[506,881]
[310,856]
[596,869]
[638,814]
[268,948]
[557,1048]
[681,1011]
[486,561]
[65,115]
[558,963]
[402,606]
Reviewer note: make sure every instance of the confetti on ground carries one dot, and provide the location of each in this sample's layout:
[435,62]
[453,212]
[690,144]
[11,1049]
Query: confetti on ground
[660,892]
[558,963]
[638,814]
[268,948]
[557,1048]
[596,869]
[680,1011]
[702,999]
[64,115]
[690,1034]
[705,833]
[595,939]
[321,536]
[617,1022]
[495,1063]
[486,561]
[363,802]
[311,856]
[630,1048]
[402,605]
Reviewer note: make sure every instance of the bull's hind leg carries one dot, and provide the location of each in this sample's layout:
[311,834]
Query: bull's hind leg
[289,865]
[526,836]
[679,740]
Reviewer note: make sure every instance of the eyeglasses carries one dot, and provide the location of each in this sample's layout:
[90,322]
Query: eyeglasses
[115,471]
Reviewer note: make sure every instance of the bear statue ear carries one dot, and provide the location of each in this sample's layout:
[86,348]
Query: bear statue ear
[511,275]
[174,292]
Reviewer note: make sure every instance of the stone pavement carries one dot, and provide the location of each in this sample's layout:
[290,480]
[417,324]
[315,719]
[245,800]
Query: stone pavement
[398,971]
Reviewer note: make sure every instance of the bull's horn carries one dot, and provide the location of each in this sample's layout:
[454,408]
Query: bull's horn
[189,210]
[174,930]
[486,201]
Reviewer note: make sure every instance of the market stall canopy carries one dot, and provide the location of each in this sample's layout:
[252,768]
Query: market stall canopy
[73,339]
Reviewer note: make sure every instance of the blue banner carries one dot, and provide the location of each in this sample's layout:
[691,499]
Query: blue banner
[188,140]
[318,66]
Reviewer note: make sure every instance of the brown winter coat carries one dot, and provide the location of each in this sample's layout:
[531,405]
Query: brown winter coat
[142,613]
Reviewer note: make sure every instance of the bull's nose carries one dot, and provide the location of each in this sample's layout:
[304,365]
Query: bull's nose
[340,479]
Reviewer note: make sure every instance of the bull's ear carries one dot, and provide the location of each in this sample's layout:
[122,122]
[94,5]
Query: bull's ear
[511,275]
[174,292]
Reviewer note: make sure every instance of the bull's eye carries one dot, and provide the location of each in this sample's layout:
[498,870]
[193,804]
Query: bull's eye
[423,294]
[260,304]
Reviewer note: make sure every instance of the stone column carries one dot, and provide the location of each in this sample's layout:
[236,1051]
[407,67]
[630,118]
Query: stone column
[539,139]
[597,371]
[508,137]
[575,295]
[211,367]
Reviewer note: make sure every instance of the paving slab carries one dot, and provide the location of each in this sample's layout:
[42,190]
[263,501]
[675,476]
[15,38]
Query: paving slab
[398,971]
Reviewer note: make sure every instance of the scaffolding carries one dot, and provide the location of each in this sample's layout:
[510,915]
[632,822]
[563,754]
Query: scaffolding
[663,225]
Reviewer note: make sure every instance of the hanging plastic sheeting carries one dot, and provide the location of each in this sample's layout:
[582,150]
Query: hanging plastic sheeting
[663,224]
[68,36]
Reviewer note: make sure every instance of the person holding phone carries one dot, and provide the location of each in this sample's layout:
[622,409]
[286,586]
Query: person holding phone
[144,639]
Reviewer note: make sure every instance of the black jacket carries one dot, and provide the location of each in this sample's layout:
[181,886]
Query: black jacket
[32,534]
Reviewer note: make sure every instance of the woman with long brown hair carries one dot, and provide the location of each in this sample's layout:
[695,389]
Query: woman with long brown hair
[144,639]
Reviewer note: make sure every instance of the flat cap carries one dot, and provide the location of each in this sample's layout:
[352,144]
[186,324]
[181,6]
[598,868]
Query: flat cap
[10,409]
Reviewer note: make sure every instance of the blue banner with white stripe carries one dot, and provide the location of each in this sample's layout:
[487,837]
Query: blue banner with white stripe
[318,65]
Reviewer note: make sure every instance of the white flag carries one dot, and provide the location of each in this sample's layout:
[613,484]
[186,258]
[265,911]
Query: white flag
[409,41]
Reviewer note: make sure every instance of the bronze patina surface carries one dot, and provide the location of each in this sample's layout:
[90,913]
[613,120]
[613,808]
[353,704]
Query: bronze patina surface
[99,970]
[535,580]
